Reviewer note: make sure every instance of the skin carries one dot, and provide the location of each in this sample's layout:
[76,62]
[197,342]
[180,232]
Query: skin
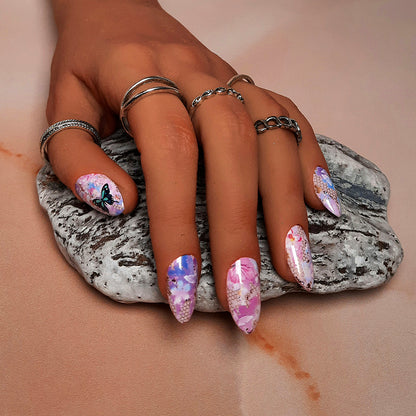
[104,46]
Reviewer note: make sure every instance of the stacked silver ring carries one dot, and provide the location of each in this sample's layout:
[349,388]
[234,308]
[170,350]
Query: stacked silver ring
[279,122]
[62,125]
[130,97]
[210,93]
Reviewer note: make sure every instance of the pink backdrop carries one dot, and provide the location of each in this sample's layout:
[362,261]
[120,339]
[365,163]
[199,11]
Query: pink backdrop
[67,350]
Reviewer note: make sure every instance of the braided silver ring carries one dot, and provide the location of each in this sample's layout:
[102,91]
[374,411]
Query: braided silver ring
[131,97]
[210,93]
[62,125]
[281,122]
[240,77]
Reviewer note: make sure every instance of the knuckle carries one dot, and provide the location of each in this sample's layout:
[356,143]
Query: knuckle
[279,109]
[121,55]
[122,59]
[189,55]
[288,103]
[233,121]
[174,142]
[177,137]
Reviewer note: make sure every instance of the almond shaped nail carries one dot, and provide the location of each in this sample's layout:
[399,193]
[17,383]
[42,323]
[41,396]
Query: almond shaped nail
[182,284]
[299,256]
[326,192]
[101,193]
[243,293]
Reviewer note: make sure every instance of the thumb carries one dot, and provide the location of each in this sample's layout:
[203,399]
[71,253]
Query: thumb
[77,160]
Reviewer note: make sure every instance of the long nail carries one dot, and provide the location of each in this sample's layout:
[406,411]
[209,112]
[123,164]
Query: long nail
[299,256]
[325,190]
[182,283]
[243,293]
[101,193]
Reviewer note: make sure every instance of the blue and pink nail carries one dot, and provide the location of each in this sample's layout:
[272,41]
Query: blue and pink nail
[182,284]
[325,190]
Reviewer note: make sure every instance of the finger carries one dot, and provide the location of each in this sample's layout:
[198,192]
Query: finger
[77,161]
[169,155]
[319,190]
[165,138]
[281,189]
[230,154]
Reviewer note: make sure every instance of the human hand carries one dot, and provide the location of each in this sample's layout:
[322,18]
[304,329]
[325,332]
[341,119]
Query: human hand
[103,48]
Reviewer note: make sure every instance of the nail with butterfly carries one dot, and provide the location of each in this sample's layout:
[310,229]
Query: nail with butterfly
[101,193]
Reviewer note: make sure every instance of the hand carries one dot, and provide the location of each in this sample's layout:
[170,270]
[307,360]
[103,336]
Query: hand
[105,46]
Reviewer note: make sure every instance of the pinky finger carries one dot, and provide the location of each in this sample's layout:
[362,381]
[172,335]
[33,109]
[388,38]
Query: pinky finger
[319,190]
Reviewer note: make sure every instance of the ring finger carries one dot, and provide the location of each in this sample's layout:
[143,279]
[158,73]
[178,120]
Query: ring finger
[282,190]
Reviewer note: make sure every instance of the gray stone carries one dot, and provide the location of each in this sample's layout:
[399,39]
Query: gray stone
[114,254]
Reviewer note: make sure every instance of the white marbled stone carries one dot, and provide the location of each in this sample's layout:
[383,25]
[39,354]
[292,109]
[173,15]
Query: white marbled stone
[114,254]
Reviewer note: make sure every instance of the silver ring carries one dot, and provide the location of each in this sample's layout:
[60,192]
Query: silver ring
[240,77]
[130,97]
[210,93]
[281,122]
[62,125]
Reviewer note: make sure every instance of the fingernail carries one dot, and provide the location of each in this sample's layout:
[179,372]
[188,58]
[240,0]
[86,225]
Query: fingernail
[101,193]
[243,293]
[182,282]
[325,190]
[299,256]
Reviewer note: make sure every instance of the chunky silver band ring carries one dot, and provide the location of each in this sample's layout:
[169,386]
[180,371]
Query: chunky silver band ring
[63,125]
[240,77]
[210,93]
[131,97]
[281,122]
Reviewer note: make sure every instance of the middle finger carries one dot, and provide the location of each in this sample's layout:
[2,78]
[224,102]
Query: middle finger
[230,153]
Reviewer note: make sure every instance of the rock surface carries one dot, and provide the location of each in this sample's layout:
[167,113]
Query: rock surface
[114,254]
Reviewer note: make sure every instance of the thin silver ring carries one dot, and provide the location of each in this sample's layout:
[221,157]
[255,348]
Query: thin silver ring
[130,97]
[63,125]
[160,80]
[240,77]
[210,93]
[279,122]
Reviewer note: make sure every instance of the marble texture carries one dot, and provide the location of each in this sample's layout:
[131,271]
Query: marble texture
[357,251]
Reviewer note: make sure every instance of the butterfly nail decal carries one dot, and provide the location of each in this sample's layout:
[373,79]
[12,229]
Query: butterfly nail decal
[106,198]
[100,192]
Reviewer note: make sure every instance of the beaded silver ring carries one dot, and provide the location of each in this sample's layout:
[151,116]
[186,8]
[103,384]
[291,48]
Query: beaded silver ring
[210,93]
[63,125]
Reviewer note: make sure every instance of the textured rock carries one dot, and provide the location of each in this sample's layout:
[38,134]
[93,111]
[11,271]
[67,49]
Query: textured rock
[114,254]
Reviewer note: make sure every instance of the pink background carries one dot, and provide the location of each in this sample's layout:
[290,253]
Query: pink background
[67,350]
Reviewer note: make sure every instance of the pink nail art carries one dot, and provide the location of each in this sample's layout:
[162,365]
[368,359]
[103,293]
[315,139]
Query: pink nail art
[101,193]
[325,190]
[243,293]
[299,256]
[182,283]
